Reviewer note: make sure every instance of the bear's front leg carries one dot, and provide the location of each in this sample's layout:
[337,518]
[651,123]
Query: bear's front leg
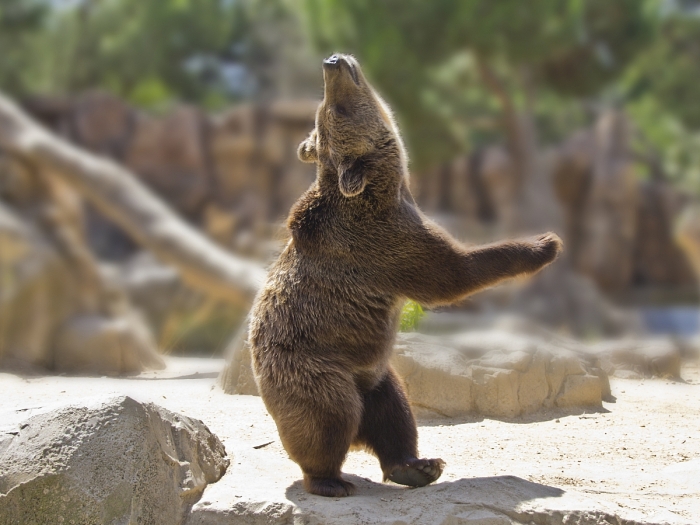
[432,268]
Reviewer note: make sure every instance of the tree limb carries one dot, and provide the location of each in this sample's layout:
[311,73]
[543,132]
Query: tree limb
[120,196]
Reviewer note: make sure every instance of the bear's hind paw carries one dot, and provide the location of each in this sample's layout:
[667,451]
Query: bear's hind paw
[329,487]
[417,472]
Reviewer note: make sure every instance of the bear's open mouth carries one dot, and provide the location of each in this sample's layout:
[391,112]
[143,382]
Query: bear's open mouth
[338,62]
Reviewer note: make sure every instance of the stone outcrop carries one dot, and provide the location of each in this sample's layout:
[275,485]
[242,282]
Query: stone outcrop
[494,373]
[117,461]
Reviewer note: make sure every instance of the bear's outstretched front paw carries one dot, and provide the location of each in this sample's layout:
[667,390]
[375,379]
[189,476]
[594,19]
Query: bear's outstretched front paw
[546,248]
[329,487]
[417,472]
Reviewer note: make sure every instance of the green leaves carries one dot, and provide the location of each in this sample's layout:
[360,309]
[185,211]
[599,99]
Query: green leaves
[411,49]
[410,315]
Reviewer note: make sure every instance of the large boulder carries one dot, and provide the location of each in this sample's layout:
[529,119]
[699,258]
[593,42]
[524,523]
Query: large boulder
[95,344]
[118,461]
[492,372]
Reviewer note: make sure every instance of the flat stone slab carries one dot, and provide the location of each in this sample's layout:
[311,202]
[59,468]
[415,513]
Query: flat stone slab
[497,500]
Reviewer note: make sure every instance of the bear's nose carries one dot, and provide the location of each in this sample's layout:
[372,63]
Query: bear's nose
[332,61]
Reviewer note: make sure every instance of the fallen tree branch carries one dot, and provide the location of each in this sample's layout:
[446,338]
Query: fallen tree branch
[121,197]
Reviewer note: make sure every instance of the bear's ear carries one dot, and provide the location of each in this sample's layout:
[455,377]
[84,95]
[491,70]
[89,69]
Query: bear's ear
[351,177]
[307,149]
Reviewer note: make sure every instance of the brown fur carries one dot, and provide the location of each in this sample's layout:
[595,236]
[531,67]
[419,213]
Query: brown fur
[323,327]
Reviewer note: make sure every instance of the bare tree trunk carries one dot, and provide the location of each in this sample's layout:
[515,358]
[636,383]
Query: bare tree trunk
[119,195]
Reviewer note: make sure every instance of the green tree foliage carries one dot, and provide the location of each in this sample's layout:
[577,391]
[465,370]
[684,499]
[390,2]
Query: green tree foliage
[506,50]
[669,69]
[206,51]
[21,23]
[660,92]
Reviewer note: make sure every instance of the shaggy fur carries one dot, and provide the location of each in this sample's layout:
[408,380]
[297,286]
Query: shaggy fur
[323,326]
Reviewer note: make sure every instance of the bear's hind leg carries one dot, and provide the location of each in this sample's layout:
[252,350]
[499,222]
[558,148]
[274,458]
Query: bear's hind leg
[316,430]
[388,429]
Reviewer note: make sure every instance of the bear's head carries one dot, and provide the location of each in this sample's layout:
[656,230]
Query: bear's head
[355,131]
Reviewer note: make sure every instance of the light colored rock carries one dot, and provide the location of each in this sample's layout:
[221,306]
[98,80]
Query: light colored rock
[496,392]
[434,376]
[580,390]
[58,309]
[100,345]
[494,372]
[237,376]
[653,357]
[489,372]
[35,295]
[115,461]
[497,500]
[533,388]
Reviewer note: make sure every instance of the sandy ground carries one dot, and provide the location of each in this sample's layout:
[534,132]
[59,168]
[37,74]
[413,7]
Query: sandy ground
[640,454]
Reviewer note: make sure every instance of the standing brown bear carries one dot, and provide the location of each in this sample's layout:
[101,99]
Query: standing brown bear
[323,326]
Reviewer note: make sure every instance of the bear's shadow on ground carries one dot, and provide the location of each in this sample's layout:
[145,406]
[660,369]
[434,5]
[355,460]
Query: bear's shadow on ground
[500,494]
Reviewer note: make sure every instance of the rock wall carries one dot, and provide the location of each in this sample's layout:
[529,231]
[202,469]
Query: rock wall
[234,175]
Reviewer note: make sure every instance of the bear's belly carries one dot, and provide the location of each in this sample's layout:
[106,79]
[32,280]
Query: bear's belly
[336,316]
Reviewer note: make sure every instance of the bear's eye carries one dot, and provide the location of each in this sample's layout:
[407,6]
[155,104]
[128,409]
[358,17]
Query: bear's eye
[340,109]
